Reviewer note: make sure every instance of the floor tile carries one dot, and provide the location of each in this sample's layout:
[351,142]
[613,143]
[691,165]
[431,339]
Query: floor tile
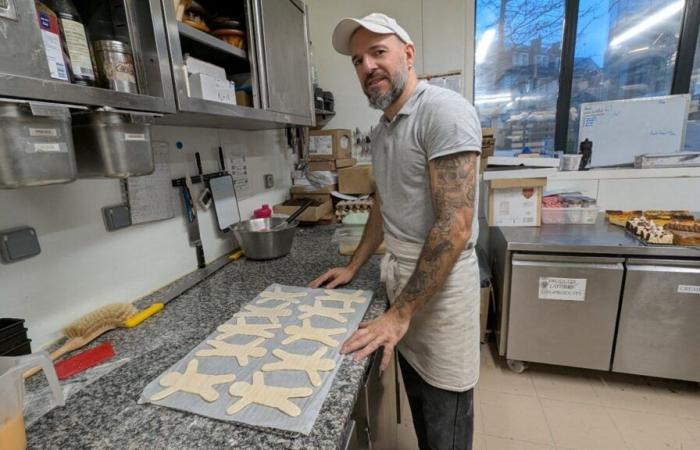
[563,384]
[496,443]
[581,427]
[496,376]
[517,417]
[625,392]
[643,431]
[681,402]
[692,427]
[479,442]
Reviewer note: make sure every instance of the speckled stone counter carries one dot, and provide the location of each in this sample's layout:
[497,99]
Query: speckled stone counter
[105,414]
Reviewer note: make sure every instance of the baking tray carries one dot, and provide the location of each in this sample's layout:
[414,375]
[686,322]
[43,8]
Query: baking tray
[648,244]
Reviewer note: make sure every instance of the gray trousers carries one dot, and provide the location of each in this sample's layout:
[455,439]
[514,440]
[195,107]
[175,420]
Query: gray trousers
[443,420]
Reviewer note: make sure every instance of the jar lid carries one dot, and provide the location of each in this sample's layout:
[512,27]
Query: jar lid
[112,46]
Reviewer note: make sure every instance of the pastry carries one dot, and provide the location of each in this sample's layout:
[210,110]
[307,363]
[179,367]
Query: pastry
[261,394]
[192,382]
[311,364]
[241,328]
[272,314]
[242,353]
[317,309]
[278,294]
[306,331]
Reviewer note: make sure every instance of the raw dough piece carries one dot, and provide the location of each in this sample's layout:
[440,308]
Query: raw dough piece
[272,314]
[347,299]
[240,352]
[319,310]
[306,331]
[278,294]
[228,330]
[192,382]
[310,364]
[262,394]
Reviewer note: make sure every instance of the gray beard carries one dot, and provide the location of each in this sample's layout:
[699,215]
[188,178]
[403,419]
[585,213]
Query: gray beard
[383,101]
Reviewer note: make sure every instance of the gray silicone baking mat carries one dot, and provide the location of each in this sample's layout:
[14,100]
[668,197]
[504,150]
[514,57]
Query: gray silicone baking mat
[254,414]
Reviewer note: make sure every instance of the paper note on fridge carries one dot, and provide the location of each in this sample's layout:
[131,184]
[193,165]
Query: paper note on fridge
[569,289]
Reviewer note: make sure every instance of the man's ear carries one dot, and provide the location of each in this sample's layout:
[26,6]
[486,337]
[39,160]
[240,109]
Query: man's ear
[410,52]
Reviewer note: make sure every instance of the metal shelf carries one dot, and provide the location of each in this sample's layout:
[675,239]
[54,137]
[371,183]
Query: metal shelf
[210,41]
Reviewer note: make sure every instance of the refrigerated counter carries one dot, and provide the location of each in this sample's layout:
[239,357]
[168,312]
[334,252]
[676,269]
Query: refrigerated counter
[592,296]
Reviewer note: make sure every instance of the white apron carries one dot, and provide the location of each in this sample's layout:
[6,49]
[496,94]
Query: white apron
[442,341]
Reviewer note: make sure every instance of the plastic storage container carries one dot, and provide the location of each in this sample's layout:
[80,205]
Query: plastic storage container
[112,144]
[12,433]
[585,215]
[263,213]
[36,145]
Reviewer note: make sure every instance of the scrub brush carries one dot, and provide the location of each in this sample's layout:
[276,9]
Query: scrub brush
[88,328]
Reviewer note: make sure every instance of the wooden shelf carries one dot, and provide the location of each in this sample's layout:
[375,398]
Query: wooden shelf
[210,41]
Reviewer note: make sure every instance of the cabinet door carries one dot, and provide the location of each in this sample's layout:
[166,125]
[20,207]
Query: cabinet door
[563,309]
[659,332]
[285,57]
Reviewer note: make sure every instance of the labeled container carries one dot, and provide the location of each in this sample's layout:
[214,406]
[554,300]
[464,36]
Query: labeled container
[36,145]
[583,215]
[12,432]
[112,144]
[115,66]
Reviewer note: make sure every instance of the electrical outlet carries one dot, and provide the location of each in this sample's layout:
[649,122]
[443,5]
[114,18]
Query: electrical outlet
[269,180]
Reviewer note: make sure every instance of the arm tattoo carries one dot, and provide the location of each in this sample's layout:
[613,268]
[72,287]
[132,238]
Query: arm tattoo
[453,183]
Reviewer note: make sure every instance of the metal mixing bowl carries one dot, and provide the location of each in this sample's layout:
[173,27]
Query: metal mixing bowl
[258,242]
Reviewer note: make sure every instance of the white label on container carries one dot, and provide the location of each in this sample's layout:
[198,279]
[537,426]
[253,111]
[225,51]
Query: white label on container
[134,137]
[570,289]
[43,132]
[54,54]
[47,147]
[78,49]
[688,289]
[321,145]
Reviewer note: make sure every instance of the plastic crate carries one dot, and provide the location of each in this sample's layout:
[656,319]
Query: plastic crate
[586,215]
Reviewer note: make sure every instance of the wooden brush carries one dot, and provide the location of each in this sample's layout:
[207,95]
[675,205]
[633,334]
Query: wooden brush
[89,327]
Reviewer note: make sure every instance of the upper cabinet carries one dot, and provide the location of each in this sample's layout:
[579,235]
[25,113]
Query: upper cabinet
[259,48]
[87,53]
[284,58]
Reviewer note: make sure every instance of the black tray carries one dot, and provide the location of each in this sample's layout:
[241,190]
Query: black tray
[9,327]
[13,341]
[24,348]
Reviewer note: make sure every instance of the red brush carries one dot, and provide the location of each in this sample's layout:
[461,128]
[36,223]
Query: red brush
[84,360]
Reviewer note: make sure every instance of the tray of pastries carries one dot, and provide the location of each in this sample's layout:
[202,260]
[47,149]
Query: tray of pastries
[648,231]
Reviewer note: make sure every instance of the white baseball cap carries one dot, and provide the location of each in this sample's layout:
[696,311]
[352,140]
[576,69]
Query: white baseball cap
[375,22]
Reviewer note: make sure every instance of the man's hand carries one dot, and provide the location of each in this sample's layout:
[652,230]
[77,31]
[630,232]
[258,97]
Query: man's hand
[384,331]
[334,277]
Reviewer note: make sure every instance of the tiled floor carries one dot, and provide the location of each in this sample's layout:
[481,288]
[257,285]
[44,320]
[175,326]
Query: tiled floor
[557,408]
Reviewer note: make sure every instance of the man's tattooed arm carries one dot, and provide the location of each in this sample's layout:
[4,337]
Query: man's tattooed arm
[453,181]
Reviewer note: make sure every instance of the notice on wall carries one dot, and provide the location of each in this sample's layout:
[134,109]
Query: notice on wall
[150,196]
[321,145]
[239,172]
[688,289]
[568,289]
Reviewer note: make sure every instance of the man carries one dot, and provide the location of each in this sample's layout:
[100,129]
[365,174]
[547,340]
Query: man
[425,155]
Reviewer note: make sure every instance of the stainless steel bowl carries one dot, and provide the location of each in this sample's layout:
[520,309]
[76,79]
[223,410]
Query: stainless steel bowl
[258,242]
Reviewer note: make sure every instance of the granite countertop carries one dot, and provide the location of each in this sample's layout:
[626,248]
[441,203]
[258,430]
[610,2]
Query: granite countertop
[104,414]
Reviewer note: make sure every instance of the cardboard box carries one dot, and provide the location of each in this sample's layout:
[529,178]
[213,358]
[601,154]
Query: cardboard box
[209,88]
[320,166]
[312,213]
[356,180]
[329,145]
[313,189]
[320,197]
[195,65]
[243,99]
[515,202]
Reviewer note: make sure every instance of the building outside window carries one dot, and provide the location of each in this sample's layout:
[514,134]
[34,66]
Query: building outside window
[624,49]
[692,138]
[516,87]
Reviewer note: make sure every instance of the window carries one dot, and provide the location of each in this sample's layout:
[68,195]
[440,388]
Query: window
[515,87]
[692,138]
[624,49]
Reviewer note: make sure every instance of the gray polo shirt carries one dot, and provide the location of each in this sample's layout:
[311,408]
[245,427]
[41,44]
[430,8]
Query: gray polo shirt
[434,122]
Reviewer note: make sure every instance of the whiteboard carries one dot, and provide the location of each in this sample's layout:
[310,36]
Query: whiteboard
[621,129]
